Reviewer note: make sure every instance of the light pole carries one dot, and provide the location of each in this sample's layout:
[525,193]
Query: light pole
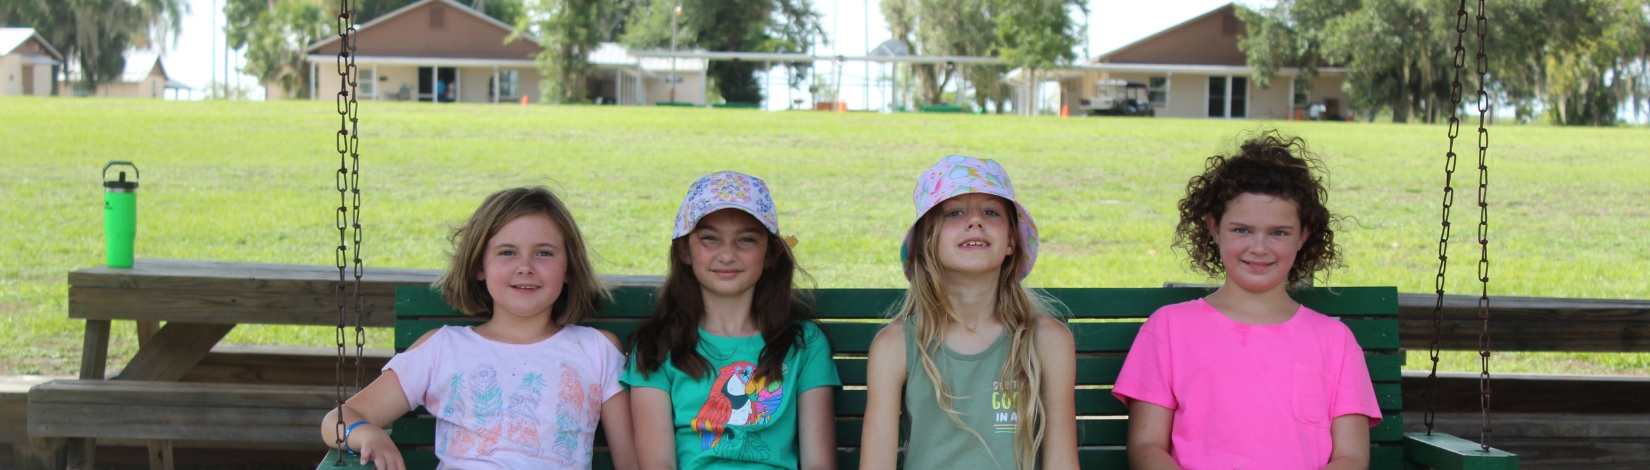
[673,78]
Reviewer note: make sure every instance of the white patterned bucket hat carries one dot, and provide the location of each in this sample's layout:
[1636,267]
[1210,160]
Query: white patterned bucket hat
[956,175]
[726,190]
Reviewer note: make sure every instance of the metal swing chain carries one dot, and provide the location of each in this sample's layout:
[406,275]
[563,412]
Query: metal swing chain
[348,216]
[1482,66]
[1449,201]
[1483,234]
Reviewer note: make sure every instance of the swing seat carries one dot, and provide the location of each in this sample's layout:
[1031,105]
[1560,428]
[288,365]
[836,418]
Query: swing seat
[1104,322]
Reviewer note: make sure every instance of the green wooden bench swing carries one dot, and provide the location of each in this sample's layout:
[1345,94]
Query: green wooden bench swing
[1104,322]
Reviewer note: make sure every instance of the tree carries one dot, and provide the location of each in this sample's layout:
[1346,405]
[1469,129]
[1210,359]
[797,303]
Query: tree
[94,34]
[730,26]
[1032,34]
[1577,59]
[570,30]
[276,35]
[944,27]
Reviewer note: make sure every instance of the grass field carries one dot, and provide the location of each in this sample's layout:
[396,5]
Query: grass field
[253,182]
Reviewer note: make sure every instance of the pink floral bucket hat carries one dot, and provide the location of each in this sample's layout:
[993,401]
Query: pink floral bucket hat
[956,175]
[726,190]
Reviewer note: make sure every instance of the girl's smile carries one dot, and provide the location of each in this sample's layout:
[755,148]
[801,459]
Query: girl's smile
[524,266]
[728,251]
[1258,236]
[974,230]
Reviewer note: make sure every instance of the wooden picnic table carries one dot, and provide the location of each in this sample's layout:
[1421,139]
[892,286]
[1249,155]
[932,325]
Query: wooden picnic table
[200,301]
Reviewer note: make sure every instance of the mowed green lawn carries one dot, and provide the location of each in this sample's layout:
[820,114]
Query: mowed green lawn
[254,182]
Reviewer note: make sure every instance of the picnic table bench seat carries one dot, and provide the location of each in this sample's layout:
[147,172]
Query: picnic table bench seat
[1104,322]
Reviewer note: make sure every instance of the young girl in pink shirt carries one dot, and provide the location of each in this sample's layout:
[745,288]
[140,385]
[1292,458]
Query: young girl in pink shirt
[525,388]
[1247,378]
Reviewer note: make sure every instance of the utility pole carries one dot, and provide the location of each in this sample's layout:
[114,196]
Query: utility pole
[673,77]
[211,92]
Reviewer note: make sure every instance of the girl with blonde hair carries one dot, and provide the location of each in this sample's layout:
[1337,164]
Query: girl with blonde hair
[985,372]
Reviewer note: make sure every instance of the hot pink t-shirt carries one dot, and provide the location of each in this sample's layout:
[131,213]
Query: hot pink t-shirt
[1248,396]
[511,406]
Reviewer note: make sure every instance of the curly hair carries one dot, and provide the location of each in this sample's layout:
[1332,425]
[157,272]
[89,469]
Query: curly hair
[1268,164]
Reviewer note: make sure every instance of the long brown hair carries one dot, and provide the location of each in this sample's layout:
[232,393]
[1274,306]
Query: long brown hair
[580,298]
[778,309]
[929,308]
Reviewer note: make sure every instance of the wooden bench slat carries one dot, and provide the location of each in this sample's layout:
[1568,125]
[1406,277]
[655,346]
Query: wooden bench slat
[141,421]
[1382,457]
[838,303]
[201,306]
[1103,370]
[1111,337]
[1112,431]
[138,393]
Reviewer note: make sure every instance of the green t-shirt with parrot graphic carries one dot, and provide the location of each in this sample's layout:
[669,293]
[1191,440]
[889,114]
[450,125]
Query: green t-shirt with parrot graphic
[728,420]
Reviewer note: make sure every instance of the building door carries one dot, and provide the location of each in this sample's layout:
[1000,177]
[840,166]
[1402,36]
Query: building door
[28,80]
[438,84]
[1228,96]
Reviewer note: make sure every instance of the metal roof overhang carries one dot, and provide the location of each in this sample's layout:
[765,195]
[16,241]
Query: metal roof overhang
[427,61]
[1076,71]
[40,60]
[798,57]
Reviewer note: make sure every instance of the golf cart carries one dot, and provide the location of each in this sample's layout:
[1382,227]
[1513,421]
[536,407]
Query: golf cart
[1115,97]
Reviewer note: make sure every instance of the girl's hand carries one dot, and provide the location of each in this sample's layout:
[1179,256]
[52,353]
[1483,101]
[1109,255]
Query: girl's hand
[376,448]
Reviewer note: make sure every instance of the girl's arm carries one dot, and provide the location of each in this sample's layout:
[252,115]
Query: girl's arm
[655,427]
[1058,353]
[816,428]
[884,383]
[621,442]
[1149,427]
[379,404]
[616,424]
[1351,438]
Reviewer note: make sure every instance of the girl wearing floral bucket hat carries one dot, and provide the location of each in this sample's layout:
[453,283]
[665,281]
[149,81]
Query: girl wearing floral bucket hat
[985,372]
[731,371]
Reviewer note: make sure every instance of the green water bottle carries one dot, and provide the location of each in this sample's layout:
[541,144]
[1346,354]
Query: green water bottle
[120,214]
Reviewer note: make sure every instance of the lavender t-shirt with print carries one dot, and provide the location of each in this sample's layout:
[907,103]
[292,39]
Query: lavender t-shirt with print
[500,405]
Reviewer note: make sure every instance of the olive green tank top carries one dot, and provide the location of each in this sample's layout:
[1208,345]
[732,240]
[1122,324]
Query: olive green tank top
[934,440]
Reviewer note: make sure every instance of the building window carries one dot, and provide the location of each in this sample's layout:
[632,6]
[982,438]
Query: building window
[366,83]
[1228,97]
[507,80]
[1157,90]
[1217,96]
[1300,97]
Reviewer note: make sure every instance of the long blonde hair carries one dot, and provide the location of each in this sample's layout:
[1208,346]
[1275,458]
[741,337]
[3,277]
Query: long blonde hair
[1018,308]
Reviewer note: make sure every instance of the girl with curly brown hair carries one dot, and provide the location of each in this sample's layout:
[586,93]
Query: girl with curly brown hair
[1247,377]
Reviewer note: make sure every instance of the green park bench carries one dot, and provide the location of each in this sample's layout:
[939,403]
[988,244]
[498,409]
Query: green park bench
[1104,322]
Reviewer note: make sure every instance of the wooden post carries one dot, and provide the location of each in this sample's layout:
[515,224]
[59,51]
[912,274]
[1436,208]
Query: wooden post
[145,330]
[94,355]
[160,454]
[41,453]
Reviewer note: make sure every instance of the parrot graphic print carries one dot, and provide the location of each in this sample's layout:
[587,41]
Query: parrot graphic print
[736,400]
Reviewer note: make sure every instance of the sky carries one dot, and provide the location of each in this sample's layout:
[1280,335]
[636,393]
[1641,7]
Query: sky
[853,28]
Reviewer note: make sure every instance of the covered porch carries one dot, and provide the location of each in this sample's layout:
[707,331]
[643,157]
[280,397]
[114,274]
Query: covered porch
[430,79]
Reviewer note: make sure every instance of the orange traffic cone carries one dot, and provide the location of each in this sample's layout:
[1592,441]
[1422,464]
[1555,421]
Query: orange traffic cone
[842,106]
[1065,110]
[524,100]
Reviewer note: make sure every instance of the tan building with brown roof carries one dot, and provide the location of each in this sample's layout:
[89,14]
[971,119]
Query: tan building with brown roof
[445,51]
[27,62]
[1195,70]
